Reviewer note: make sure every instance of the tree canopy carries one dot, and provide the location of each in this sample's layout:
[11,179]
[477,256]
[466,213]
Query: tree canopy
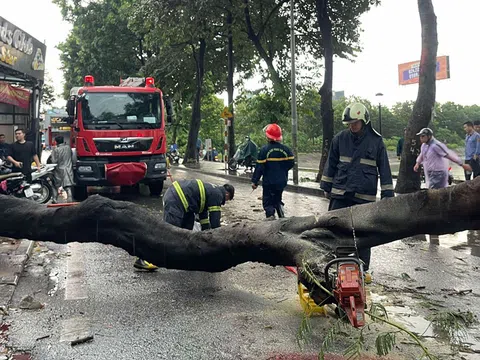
[111,39]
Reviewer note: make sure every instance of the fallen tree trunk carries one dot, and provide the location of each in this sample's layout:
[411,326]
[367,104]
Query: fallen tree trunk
[289,241]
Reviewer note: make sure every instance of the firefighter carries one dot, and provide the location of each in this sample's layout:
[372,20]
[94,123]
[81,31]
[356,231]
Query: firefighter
[184,200]
[357,156]
[273,163]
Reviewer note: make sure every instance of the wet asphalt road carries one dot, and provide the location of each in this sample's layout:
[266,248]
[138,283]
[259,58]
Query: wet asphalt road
[248,312]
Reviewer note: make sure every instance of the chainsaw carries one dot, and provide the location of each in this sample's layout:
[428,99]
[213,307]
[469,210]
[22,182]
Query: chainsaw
[343,280]
[344,277]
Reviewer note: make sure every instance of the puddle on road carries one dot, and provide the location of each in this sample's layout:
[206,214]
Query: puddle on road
[467,242]
[412,321]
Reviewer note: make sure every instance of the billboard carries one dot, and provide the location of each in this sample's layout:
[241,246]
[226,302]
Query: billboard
[409,73]
[21,52]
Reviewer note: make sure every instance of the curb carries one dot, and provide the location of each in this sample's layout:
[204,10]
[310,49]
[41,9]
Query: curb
[291,188]
[12,265]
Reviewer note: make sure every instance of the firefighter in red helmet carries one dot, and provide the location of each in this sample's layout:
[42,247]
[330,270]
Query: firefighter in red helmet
[274,162]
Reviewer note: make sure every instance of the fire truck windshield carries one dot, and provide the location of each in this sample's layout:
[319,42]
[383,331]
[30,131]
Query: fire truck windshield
[121,110]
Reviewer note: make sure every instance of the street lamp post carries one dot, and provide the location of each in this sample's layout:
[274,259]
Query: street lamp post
[379,112]
[294,95]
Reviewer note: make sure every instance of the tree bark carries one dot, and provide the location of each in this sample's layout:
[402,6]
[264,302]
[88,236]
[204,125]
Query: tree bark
[408,180]
[230,86]
[289,241]
[326,107]
[191,151]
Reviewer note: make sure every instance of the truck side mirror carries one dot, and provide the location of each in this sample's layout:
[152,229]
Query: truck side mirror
[169,110]
[70,107]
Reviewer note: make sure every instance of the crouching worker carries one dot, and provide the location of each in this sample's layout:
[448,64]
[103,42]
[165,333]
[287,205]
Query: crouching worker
[186,198]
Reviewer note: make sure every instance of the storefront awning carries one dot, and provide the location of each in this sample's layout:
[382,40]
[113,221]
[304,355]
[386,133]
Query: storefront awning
[14,95]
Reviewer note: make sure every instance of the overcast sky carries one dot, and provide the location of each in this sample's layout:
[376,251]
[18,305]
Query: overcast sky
[391,36]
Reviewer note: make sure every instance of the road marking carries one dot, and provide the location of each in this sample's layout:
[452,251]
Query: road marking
[76,289]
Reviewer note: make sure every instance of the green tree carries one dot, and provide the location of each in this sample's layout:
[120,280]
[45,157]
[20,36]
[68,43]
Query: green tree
[309,113]
[339,26]
[48,94]
[100,43]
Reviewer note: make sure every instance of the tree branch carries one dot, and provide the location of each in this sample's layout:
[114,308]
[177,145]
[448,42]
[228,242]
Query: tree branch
[288,241]
[269,16]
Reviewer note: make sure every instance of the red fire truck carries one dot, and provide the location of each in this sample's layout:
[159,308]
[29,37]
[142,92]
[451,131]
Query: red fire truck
[118,134]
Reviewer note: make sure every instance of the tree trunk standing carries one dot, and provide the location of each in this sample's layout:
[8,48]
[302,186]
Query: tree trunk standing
[230,86]
[408,180]
[191,152]
[178,117]
[326,107]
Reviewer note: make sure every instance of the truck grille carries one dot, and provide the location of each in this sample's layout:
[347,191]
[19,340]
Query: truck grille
[109,145]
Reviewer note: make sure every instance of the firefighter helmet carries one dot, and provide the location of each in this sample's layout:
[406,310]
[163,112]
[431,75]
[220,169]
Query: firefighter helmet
[273,132]
[355,112]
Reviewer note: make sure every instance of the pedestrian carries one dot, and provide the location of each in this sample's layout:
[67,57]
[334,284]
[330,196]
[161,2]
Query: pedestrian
[62,156]
[22,153]
[187,198]
[273,163]
[472,150]
[400,144]
[434,156]
[476,125]
[4,147]
[357,156]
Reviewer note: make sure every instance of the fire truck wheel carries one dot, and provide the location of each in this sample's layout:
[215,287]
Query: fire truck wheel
[80,193]
[156,188]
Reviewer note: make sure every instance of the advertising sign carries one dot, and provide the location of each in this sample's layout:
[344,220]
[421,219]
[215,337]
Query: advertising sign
[409,73]
[21,52]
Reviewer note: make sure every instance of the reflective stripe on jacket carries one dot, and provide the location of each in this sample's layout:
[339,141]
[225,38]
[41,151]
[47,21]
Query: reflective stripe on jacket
[200,198]
[274,162]
[353,166]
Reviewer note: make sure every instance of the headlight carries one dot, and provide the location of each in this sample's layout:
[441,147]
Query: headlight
[160,166]
[84,169]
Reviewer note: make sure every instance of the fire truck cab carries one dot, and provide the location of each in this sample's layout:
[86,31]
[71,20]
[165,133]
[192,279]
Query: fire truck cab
[118,134]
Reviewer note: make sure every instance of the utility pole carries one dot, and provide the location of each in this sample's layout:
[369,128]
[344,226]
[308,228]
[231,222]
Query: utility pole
[294,93]
[379,95]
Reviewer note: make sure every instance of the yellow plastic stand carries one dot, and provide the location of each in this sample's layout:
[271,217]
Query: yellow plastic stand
[308,305]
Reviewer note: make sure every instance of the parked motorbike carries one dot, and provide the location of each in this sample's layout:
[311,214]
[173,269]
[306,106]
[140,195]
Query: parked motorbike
[246,155]
[173,157]
[43,184]
[5,166]
[13,183]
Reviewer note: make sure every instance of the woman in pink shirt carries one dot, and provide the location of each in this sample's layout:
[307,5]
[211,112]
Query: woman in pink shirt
[434,156]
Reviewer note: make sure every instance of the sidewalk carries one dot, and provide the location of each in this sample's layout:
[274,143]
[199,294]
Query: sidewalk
[307,184]
[13,256]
